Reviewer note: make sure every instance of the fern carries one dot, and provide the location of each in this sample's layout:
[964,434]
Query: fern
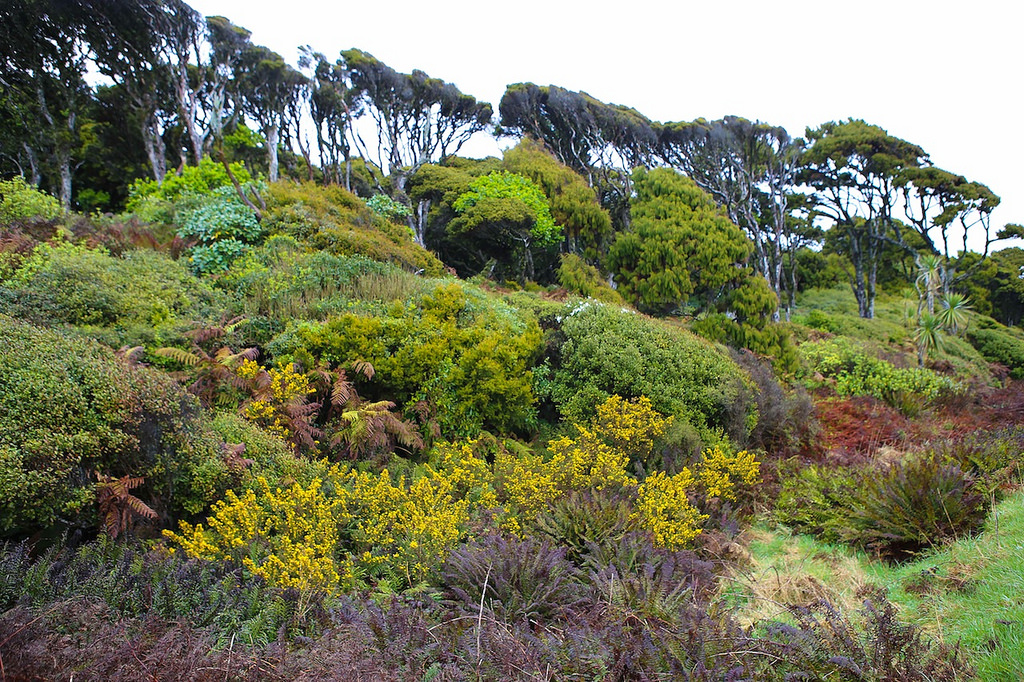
[117,506]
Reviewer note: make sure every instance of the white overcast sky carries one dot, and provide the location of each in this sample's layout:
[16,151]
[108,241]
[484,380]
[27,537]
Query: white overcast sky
[948,76]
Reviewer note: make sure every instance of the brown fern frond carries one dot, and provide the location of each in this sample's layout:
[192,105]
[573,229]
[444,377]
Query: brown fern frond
[204,334]
[117,505]
[178,355]
[364,368]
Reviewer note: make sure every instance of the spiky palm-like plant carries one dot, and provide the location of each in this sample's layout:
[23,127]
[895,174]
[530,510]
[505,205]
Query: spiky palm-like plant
[953,314]
[927,336]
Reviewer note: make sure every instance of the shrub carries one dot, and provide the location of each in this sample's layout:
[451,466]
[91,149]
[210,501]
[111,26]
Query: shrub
[606,351]
[915,503]
[514,579]
[577,277]
[855,372]
[999,344]
[143,297]
[663,508]
[20,201]
[200,179]
[69,407]
[463,358]
[818,500]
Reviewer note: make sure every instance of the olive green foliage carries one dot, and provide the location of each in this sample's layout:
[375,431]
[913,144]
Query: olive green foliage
[682,250]
[605,351]
[997,343]
[854,371]
[585,280]
[817,500]
[386,207]
[574,205]
[143,297]
[282,280]
[21,201]
[508,215]
[456,355]
[335,220]
[69,407]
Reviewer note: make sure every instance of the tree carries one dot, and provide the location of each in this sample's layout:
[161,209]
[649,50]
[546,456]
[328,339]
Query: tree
[574,205]
[750,171]
[419,119]
[602,142]
[946,210]
[333,108]
[268,89]
[682,249]
[42,72]
[855,170]
[509,214]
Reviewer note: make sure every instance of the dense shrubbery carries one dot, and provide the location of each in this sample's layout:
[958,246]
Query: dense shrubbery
[143,297]
[1000,344]
[607,351]
[19,201]
[461,359]
[855,372]
[69,409]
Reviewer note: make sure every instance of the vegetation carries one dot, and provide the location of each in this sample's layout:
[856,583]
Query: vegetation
[603,408]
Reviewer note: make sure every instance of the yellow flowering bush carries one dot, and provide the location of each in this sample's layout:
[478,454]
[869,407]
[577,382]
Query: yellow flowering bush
[663,509]
[631,426]
[288,537]
[286,388]
[406,530]
[470,476]
[719,471]
[526,485]
[587,461]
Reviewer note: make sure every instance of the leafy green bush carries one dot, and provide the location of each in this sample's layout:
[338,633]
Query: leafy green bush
[203,178]
[817,500]
[585,280]
[855,372]
[334,220]
[69,408]
[999,344]
[602,351]
[21,201]
[462,357]
[142,297]
[223,225]
[580,518]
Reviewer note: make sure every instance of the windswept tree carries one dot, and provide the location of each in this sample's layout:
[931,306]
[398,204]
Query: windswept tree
[333,108]
[603,142]
[856,172]
[418,120]
[43,62]
[950,214]
[268,89]
[749,168]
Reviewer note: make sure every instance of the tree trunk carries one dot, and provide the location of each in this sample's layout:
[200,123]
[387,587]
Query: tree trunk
[64,171]
[272,133]
[156,150]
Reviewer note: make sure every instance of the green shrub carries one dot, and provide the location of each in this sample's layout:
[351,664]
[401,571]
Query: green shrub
[855,372]
[203,178]
[69,407]
[602,351]
[913,504]
[142,297]
[817,500]
[21,201]
[999,344]
[332,219]
[581,518]
[464,359]
[585,280]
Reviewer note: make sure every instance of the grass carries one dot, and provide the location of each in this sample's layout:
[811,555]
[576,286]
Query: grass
[971,591]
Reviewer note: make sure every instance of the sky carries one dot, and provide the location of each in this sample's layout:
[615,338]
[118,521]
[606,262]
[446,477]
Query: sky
[947,76]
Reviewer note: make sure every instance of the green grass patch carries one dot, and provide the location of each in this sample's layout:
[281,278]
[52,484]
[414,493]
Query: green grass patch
[971,591]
